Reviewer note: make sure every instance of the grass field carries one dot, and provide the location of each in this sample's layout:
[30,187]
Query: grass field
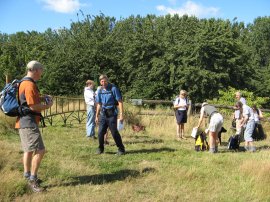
[155,168]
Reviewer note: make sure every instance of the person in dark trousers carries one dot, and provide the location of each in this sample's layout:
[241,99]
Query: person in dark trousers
[107,99]
[31,140]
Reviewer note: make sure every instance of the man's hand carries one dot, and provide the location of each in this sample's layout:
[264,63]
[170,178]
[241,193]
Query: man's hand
[121,117]
[96,120]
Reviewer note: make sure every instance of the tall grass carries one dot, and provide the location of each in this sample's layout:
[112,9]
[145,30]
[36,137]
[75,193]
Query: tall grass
[155,168]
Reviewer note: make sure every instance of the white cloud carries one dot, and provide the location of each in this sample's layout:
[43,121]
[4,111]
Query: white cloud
[63,6]
[190,8]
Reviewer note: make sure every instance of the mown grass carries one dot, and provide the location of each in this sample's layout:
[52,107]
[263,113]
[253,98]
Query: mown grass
[155,168]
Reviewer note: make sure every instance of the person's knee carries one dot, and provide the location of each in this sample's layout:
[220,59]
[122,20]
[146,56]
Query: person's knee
[41,152]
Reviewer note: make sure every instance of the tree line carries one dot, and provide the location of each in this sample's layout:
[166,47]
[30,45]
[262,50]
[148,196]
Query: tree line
[149,57]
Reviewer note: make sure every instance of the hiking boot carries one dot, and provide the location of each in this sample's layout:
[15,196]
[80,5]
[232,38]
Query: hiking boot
[35,186]
[99,151]
[120,152]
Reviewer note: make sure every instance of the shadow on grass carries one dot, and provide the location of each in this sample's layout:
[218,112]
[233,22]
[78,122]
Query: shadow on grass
[242,149]
[104,178]
[165,149]
[153,141]
[264,147]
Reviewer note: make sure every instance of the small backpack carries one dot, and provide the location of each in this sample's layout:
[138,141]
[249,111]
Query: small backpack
[9,102]
[201,143]
[234,142]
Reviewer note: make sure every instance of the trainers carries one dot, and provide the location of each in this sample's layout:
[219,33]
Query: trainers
[119,153]
[35,186]
[39,181]
[99,151]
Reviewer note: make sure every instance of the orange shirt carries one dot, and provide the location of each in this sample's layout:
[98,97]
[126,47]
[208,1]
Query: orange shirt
[28,92]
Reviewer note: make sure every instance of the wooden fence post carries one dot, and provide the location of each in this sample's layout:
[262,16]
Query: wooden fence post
[7,79]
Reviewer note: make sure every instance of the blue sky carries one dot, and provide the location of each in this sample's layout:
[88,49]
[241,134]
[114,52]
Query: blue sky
[38,15]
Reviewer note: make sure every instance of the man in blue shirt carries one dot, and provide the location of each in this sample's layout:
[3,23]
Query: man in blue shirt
[107,99]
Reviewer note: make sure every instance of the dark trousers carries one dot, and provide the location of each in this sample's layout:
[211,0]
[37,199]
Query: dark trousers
[110,122]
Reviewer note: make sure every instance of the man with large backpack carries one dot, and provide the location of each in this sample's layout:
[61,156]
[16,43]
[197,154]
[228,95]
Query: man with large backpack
[27,124]
[107,99]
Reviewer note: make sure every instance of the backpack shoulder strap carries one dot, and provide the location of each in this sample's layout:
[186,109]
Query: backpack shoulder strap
[27,79]
[19,83]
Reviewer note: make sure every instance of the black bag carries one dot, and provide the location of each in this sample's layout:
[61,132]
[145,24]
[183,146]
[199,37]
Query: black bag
[234,142]
[234,123]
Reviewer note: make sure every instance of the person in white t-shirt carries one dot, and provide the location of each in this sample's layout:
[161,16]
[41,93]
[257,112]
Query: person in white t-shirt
[181,105]
[89,97]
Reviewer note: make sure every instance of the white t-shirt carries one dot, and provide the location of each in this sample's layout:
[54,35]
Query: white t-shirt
[89,96]
[247,111]
[243,100]
[181,101]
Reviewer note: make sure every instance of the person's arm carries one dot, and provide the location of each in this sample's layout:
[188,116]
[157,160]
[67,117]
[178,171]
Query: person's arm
[121,110]
[244,120]
[260,114]
[201,117]
[31,95]
[177,104]
[40,107]
[97,112]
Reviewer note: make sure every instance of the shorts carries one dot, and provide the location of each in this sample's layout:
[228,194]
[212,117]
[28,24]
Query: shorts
[249,131]
[181,116]
[238,127]
[31,139]
[216,123]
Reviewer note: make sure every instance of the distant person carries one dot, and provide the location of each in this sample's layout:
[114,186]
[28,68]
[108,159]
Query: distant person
[238,116]
[237,113]
[215,125]
[249,124]
[30,135]
[181,106]
[258,115]
[107,99]
[258,132]
[89,97]
[238,97]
